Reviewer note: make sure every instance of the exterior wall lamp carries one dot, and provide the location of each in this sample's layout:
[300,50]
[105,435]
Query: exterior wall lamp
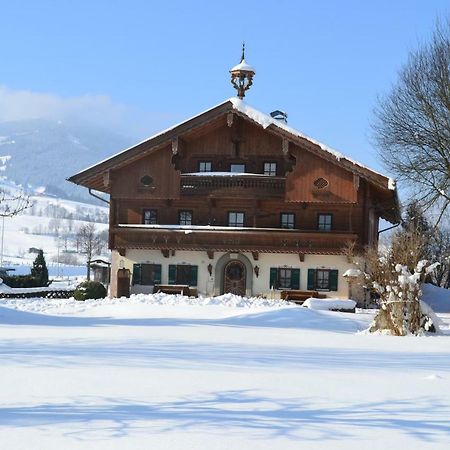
[210,268]
[256,270]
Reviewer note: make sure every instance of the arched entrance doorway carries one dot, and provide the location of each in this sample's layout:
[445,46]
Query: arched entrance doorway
[234,278]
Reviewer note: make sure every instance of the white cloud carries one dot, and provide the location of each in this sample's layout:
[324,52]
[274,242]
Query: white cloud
[96,109]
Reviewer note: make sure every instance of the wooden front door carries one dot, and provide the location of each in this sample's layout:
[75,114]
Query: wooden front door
[234,278]
[123,283]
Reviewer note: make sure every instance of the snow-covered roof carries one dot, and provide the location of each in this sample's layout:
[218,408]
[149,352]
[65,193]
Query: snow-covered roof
[265,120]
[243,66]
[262,119]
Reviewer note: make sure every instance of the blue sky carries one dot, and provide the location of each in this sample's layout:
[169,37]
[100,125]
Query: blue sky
[139,66]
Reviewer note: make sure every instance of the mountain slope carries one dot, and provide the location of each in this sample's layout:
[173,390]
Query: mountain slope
[45,153]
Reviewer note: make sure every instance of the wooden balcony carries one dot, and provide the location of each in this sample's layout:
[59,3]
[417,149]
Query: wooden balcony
[223,184]
[227,239]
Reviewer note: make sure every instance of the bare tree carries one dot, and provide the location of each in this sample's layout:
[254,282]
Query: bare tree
[412,125]
[13,204]
[89,242]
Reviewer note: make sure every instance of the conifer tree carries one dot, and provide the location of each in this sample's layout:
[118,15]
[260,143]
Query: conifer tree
[39,269]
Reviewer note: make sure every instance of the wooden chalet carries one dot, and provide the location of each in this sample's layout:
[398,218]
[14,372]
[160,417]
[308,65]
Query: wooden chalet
[234,200]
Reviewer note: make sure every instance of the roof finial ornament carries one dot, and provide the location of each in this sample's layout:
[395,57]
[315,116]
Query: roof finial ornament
[242,75]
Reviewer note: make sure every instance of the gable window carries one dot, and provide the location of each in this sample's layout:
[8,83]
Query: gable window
[204,166]
[322,279]
[150,216]
[146,274]
[324,222]
[183,274]
[185,217]
[237,168]
[236,219]
[270,168]
[288,220]
[284,278]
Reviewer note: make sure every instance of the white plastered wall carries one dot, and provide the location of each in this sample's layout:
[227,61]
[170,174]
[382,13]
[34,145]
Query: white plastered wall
[208,285]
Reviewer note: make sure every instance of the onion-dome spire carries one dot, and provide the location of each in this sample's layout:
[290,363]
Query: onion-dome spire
[242,75]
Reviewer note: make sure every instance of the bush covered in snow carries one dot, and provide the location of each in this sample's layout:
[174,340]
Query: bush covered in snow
[396,276]
[90,290]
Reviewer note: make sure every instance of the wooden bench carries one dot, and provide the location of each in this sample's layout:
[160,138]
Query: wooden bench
[299,297]
[172,289]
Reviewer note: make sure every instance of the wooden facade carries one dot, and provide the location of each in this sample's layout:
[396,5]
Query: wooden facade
[229,181]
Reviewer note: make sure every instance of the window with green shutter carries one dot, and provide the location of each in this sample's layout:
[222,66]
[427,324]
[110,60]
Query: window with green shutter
[273,278]
[333,280]
[311,279]
[284,278]
[194,274]
[295,279]
[146,274]
[136,274]
[172,274]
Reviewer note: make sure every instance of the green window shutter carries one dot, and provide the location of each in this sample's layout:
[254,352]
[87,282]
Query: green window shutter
[157,274]
[273,278]
[311,279]
[194,272]
[295,279]
[172,274]
[333,280]
[136,274]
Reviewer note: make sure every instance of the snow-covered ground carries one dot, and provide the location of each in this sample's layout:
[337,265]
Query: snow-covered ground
[168,372]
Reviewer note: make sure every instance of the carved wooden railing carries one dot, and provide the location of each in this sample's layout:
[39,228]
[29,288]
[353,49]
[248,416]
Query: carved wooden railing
[252,184]
[229,239]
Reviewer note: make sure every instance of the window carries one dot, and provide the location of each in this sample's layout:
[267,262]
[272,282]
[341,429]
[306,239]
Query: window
[237,168]
[270,168]
[284,278]
[236,219]
[183,274]
[288,220]
[324,222]
[150,216]
[185,217]
[321,183]
[146,180]
[322,279]
[204,166]
[147,274]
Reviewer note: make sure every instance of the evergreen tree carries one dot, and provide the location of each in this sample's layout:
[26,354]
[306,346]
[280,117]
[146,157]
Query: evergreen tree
[39,269]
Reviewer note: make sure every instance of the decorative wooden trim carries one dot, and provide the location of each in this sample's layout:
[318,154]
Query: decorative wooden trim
[165,252]
[255,256]
[106,179]
[301,257]
[285,146]
[175,145]
[230,119]
[210,254]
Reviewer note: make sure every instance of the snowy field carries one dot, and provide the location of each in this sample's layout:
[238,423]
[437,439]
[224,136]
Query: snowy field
[166,372]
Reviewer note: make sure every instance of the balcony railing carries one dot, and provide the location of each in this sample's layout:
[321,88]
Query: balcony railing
[225,184]
[270,240]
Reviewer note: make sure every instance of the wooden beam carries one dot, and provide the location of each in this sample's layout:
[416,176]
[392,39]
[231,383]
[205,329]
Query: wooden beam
[210,254]
[122,251]
[255,256]
[301,257]
[165,252]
